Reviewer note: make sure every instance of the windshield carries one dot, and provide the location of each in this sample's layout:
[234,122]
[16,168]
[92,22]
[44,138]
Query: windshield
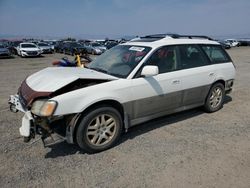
[120,60]
[28,46]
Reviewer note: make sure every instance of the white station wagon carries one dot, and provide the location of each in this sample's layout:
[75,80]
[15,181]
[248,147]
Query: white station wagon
[140,80]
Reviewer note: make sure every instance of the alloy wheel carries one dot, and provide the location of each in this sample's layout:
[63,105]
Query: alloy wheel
[216,97]
[101,130]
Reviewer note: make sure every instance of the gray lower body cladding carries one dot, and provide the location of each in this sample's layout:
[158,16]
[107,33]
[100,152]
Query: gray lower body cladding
[145,109]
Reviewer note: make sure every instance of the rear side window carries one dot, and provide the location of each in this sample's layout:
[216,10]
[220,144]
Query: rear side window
[192,56]
[216,54]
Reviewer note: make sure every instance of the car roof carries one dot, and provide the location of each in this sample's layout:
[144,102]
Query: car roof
[158,40]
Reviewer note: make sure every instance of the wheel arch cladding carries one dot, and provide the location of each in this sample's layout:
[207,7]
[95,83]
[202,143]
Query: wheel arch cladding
[220,81]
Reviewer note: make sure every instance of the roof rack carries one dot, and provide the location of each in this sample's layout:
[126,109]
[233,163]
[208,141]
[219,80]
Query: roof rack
[175,36]
[160,36]
[193,36]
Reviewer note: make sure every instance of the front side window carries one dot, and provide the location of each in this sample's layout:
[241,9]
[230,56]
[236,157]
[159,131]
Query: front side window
[216,54]
[191,56]
[120,60]
[165,58]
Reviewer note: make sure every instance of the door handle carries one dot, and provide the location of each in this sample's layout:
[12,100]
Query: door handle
[211,74]
[176,81]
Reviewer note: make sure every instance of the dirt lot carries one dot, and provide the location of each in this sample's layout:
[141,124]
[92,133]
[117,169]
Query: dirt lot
[189,149]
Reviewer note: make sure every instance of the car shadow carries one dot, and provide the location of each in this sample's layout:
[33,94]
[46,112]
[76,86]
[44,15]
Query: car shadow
[31,57]
[64,149]
[164,121]
[7,57]
[159,122]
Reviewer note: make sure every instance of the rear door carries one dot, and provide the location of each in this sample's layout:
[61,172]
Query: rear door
[197,74]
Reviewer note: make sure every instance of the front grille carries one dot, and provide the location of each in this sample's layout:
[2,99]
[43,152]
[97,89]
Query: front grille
[28,95]
[32,52]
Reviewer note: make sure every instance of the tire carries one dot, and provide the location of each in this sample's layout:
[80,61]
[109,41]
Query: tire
[215,98]
[93,52]
[99,129]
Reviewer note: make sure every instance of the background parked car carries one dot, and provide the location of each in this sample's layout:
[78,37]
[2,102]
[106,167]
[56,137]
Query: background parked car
[13,46]
[92,49]
[233,42]
[45,47]
[4,51]
[102,47]
[224,44]
[28,49]
[110,44]
[244,42]
[52,43]
[59,47]
[73,48]
[95,48]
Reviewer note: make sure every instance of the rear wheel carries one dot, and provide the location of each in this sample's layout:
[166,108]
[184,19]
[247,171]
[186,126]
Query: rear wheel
[215,98]
[99,129]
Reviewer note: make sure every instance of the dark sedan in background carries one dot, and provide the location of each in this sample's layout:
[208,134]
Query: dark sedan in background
[73,48]
[4,51]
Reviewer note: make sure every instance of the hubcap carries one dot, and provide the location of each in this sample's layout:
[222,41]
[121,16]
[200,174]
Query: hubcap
[101,129]
[216,97]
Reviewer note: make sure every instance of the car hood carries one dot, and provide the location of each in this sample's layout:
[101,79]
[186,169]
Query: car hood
[53,78]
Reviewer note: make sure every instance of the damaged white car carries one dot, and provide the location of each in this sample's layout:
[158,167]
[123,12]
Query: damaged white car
[131,83]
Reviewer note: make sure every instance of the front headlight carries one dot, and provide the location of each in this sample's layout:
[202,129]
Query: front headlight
[44,108]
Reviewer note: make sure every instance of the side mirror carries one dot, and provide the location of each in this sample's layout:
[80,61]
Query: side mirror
[149,70]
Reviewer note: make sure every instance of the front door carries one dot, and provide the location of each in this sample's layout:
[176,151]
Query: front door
[160,94]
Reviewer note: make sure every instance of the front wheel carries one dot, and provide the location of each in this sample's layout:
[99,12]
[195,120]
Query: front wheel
[99,129]
[215,98]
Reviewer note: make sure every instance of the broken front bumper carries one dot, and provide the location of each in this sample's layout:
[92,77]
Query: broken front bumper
[32,125]
[15,104]
[27,120]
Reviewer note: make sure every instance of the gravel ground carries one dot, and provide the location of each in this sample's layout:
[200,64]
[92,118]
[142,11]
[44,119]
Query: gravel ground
[188,149]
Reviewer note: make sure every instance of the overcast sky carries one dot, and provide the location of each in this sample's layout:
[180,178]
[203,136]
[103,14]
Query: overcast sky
[124,17]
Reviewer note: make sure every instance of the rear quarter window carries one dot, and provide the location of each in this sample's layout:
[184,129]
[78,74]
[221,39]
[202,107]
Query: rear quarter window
[216,53]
